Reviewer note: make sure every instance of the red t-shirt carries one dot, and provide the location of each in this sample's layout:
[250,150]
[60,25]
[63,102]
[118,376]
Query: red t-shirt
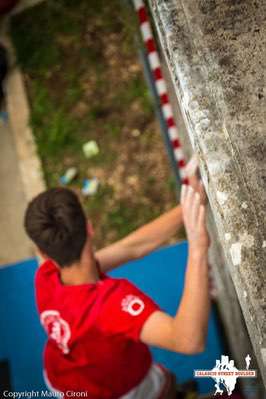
[93,334]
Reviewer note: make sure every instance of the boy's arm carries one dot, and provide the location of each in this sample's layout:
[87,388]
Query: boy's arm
[142,241]
[152,235]
[186,331]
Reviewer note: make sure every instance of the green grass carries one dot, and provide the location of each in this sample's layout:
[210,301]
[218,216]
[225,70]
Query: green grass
[62,47]
[124,217]
[54,129]
[136,89]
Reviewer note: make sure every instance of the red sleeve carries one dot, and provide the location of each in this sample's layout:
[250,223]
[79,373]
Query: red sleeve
[125,310]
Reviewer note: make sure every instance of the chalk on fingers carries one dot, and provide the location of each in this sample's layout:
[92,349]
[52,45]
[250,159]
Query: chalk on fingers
[189,191]
[183,193]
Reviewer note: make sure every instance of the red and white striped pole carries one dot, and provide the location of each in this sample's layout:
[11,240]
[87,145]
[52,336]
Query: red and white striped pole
[166,107]
[161,88]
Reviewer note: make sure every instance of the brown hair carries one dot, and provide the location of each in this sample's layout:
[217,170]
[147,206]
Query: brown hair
[56,223]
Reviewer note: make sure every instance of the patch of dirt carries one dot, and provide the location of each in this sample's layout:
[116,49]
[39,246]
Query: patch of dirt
[98,82]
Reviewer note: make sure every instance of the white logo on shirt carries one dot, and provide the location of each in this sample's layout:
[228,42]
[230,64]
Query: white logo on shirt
[133,305]
[57,328]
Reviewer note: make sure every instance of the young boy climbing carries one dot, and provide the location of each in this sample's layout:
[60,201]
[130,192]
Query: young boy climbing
[98,327]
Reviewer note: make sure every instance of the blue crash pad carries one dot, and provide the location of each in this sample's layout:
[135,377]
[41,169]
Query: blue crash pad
[160,275]
[21,336]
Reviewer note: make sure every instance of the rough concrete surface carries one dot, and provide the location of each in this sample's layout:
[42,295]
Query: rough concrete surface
[215,50]
[229,310]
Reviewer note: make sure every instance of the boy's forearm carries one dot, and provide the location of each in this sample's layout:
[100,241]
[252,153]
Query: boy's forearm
[154,234]
[193,312]
[142,241]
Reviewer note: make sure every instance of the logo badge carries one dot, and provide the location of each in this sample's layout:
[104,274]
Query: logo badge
[225,374]
[57,328]
[133,305]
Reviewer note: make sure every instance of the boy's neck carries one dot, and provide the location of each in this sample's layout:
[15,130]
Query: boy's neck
[80,273]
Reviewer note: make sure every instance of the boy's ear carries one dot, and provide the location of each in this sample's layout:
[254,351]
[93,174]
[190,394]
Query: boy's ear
[90,229]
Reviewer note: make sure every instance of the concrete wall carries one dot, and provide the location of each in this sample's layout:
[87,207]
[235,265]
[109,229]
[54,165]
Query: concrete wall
[215,55]
[20,167]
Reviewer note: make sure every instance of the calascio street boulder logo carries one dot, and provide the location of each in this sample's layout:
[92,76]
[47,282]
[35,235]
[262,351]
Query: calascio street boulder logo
[225,374]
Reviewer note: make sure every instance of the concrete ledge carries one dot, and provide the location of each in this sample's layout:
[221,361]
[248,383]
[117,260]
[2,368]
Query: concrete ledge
[20,169]
[29,162]
[216,52]
[19,118]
